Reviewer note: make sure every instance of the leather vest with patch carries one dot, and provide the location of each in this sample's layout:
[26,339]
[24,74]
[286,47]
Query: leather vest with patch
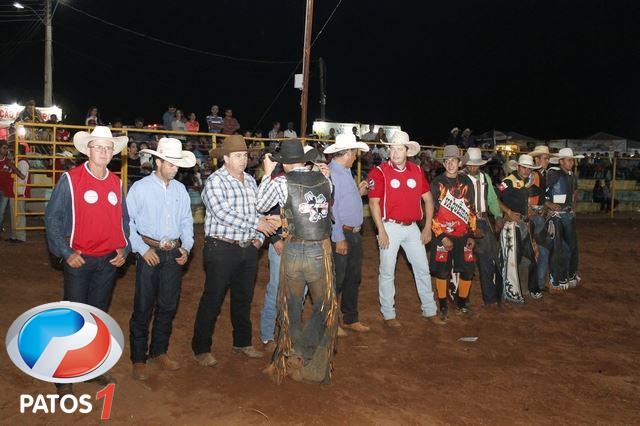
[308,205]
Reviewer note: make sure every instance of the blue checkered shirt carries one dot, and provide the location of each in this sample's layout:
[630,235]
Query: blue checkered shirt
[231,207]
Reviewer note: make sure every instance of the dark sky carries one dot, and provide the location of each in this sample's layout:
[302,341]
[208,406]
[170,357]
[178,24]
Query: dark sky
[548,69]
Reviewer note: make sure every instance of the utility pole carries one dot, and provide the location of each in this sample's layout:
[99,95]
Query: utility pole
[48,55]
[305,68]
[323,90]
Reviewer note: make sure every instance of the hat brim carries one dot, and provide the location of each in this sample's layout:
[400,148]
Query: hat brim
[220,152]
[560,157]
[81,141]
[187,159]
[513,165]
[413,147]
[337,148]
[307,157]
[535,153]
[475,162]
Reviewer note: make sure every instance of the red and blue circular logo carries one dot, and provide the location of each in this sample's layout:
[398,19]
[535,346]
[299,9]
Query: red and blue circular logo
[64,342]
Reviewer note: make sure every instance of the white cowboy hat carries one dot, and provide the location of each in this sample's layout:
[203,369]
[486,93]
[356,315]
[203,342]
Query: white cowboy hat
[473,157]
[540,150]
[99,133]
[402,138]
[525,160]
[567,153]
[455,129]
[346,141]
[170,149]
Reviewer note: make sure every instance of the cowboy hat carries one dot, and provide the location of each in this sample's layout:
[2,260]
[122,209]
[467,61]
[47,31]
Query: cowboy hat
[525,160]
[451,151]
[99,133]
[170,149]
[540,150]
[473,157]
[317,156]
[455,129]
[346,141]
[402,138]
[567,153]
[292,152]
[232,143]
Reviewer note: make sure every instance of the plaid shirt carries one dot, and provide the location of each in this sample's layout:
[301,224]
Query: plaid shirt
[231,207]
[274,191]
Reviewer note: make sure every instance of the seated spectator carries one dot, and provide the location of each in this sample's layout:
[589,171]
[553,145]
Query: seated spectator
[139,137]
[354,130]
[179,124]
[370,136]
[92,118]
[290,133]
[382,135]
[168,117]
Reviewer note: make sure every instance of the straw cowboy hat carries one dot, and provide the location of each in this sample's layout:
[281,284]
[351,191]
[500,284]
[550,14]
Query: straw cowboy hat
[473,157]
[233,143]
[170,149]
[100,133]
[402,138]
[567,153]
[346,141]
[525,160]
[292,152]
[540,150]
[451,151]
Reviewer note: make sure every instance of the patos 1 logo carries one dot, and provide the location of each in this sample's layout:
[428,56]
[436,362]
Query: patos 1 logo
[65,342]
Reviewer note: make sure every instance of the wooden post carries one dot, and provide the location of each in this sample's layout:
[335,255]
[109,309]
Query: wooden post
[613,185]
[305,68]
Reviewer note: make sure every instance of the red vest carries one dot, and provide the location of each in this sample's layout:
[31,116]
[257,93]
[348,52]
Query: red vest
[97,212]
[400,191]
[6,181]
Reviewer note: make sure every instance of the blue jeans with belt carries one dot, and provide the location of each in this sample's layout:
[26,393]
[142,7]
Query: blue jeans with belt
[539,222]
[268,313]
[92,283]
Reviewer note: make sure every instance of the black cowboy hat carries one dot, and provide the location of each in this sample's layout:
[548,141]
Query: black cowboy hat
[292,152]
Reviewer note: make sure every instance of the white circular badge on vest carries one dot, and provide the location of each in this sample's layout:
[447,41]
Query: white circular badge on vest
[113,198]
[395,183]
[91,196]
[411,183]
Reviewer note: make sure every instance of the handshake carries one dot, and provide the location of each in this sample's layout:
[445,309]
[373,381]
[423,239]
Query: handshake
[269,224]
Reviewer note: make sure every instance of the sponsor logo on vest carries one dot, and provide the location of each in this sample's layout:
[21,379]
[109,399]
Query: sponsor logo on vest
[91,196]
[456,206]
[316,206]
[411,183]
[113,198]
[395,183]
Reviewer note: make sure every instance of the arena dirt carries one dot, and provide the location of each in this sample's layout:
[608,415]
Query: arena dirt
[571,358]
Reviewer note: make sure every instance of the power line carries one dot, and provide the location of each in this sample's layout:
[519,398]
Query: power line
[266,111]
[176,45]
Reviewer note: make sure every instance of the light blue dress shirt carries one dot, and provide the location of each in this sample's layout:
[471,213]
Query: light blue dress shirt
[158,211]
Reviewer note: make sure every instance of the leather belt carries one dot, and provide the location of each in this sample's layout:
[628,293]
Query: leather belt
[241,243]
[399,222]
[354,229]
[482,215]
[164,245]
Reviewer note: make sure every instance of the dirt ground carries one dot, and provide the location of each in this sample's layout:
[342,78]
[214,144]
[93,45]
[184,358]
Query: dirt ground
[570,358]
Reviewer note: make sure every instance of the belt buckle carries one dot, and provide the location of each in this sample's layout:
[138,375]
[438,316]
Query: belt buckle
[244,244]
[356,229]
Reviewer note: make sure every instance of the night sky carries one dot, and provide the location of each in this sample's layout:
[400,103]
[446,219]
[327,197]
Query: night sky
[548,69]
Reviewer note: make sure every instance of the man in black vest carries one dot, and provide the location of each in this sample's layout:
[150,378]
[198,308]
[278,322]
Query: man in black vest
[302,353]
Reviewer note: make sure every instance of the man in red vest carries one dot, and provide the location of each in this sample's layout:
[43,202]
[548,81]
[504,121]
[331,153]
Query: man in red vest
[88,225]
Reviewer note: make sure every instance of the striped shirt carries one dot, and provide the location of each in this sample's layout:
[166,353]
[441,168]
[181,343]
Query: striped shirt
[231,207]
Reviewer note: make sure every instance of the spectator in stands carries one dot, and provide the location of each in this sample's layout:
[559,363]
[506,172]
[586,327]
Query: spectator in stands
[93,117]
[145,159]
[598,193]
[382,135]
[192,124]
[117,124]
[6,180]
[214,121]
[168,117]
[133,164]
[20,235]
[230,125]
[290,133]
[273,133]
[139,137]
[454,137]
[179,124]
[30,113]
[332,134]
[370,136]
[354,130]
[468,140]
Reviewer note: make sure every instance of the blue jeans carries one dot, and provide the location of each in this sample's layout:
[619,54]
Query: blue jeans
[268,313]
[543,252]
[407,237]
[92,283]
[157,294]
[4,203]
